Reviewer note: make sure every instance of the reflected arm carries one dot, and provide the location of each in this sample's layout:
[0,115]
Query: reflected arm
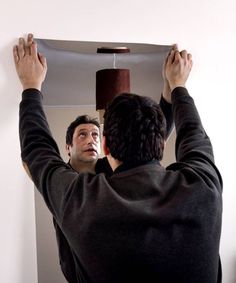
[166,108]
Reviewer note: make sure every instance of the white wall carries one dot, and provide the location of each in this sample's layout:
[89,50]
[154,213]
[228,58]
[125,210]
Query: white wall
[206,28]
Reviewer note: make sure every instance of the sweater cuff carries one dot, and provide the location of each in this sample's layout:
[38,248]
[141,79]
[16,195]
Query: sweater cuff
[178,92]
[32,93]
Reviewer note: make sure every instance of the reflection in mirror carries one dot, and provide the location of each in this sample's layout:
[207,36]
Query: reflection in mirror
[69,91]
[72,68]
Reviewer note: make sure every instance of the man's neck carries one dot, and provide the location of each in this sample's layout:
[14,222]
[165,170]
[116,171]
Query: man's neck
[114,163]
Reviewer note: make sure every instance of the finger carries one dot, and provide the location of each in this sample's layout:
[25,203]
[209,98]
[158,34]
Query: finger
[30,38]
[184,54]
[15,54]
[191,63]
[29,42]
[177,56]
[28,45]
[43,60]
[170,57]
[34,49]
[21,48]
[189,56]
[175,46]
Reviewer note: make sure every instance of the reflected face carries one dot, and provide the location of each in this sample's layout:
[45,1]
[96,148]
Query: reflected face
[85,143]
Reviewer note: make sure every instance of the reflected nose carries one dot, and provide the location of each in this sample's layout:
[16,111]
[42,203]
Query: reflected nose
[90,139]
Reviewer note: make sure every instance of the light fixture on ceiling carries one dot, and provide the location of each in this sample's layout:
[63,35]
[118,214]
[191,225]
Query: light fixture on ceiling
[110,82]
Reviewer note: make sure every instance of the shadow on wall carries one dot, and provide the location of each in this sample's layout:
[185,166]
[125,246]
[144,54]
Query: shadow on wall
[10,96]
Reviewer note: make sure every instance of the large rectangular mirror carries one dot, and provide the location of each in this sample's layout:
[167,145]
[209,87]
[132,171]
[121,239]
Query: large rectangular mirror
[69,91]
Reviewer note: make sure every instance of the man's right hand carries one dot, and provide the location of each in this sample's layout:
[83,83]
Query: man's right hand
[177,68]
[31,67]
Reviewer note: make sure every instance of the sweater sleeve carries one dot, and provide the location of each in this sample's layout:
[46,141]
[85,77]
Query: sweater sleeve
[193,146]
[40,154]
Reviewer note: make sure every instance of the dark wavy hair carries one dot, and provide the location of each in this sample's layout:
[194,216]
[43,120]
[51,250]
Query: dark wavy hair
[83,119]
[135,128]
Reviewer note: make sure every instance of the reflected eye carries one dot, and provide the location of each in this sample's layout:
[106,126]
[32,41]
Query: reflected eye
[82,134]
[95,135]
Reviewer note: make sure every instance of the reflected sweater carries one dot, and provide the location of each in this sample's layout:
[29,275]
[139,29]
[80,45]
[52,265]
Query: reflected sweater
[66,256]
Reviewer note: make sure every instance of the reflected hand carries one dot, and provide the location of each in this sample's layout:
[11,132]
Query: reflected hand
[31,66]
[178,67]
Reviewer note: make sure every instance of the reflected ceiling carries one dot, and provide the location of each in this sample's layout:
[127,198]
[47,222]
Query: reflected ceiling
[72,67]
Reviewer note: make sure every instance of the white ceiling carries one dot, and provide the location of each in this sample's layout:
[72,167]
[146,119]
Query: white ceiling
[72,67]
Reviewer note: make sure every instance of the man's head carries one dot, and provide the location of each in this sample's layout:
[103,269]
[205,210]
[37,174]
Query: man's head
[83,140]
[134,129]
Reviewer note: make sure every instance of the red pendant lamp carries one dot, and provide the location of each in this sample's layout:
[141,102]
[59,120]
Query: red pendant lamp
[110,82]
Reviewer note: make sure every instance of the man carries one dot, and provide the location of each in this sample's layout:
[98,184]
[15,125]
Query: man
[83,143]
[83,146]
[145,223]
[83,149]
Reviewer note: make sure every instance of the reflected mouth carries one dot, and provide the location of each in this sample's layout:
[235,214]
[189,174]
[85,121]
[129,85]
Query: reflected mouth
[91,150]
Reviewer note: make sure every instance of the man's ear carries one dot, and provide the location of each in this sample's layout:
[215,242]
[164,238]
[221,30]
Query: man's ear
[104,146]
[67,147]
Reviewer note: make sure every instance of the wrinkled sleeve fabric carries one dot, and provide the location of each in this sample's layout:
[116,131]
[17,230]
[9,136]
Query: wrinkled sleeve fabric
[193,147]
[40,154]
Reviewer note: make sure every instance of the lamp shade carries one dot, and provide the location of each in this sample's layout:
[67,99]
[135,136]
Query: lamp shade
[111,82]
[113,50]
